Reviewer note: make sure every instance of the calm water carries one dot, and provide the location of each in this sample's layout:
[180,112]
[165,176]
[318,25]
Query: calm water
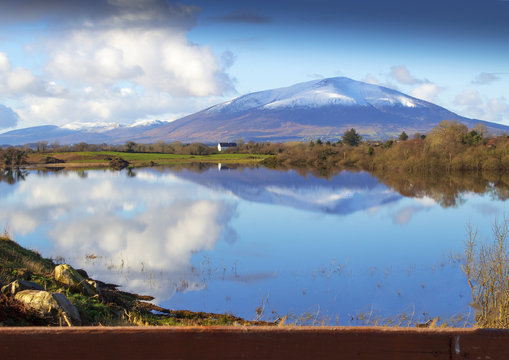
[238,239]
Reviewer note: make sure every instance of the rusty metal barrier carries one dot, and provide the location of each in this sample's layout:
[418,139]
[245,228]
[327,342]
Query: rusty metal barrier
[153,343]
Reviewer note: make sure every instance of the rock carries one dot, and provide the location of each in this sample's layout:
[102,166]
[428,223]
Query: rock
[94,285]
[83,273]
[118,163]
[52,160]
[52,305]
[20,285]
[66,275]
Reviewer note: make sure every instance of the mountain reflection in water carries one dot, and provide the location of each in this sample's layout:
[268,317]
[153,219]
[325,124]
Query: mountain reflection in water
[211,239]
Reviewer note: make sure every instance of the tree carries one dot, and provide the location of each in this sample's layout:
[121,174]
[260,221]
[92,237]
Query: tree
[351,137]
[446,136]
[13,157]
[403,136]
[130,145]
[472,138]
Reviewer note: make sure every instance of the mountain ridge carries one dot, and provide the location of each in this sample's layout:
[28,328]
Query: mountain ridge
[323,108]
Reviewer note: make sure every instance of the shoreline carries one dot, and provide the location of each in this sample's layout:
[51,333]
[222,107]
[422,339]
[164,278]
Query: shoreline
[25,273]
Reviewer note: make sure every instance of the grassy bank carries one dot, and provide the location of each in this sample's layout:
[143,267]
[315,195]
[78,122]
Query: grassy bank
[111,306]
[84,159]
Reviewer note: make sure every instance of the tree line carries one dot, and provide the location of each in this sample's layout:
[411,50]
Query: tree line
[450,146]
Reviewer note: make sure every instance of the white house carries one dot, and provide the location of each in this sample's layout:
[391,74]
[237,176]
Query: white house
[224,145]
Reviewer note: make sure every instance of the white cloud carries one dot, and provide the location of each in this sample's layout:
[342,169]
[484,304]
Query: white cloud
[117,61]
[156,59]
[427,91]
[106,104]
[424,89]
[5,64]
[401,74]
[18,81]
[468,98]
[475,106]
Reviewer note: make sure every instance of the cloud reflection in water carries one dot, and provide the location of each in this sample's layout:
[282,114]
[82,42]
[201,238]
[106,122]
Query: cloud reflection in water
[137,232]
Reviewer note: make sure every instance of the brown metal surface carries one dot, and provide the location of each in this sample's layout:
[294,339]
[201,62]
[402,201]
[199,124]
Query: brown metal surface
[153,343]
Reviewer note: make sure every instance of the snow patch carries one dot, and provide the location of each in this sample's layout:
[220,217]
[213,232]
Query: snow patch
[339,91]
[92,127]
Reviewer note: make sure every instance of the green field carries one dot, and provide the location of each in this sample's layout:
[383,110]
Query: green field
[139,159]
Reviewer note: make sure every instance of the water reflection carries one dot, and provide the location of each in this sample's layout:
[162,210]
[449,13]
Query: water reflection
[143,230]
[220,239]
[345,193]
[12,175]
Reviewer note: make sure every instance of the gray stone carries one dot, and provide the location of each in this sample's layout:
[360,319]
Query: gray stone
[19,285]
[53,305]
[83,273]
[68,276]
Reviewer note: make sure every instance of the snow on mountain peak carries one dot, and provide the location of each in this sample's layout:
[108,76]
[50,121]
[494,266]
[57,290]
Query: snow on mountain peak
[148,122]
[324,92]
[91,127]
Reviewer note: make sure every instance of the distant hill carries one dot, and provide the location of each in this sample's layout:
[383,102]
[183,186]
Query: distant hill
[315,109]
[112,134]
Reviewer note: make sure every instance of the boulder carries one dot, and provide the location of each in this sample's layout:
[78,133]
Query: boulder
[19,285]
[50,305]
[83,273]
[68,276]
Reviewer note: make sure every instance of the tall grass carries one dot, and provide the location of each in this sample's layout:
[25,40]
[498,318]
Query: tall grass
[487,269]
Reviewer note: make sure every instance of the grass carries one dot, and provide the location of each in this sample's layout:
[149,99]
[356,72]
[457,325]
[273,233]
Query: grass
[140,159]
[487,269]
[16,261]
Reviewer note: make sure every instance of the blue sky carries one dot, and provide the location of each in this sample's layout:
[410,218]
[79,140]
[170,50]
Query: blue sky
[68,62]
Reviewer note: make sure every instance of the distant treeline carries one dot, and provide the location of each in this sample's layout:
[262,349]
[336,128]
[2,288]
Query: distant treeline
[450,146]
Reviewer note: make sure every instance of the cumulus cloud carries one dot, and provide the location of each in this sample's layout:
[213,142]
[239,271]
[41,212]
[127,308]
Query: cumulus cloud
[402,75]
[20,81]
[8,118]
[117,61]
[422,88]
[103,104]
[427,91]
[475,106]
[485,78]
[156,59]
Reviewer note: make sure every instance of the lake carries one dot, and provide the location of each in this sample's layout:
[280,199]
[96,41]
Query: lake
[349,249]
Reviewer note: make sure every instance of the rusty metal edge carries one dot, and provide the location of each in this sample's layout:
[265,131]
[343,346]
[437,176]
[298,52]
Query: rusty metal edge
[253,329]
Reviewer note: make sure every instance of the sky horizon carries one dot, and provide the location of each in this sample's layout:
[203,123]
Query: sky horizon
[68,62]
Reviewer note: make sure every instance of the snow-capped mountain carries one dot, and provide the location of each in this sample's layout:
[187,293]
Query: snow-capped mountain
[339,91]
[323,109]
[91,133]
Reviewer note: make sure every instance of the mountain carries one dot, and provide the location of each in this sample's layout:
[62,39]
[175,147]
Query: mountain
[315,109]
[344,193]
[76,133]
[323,109]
